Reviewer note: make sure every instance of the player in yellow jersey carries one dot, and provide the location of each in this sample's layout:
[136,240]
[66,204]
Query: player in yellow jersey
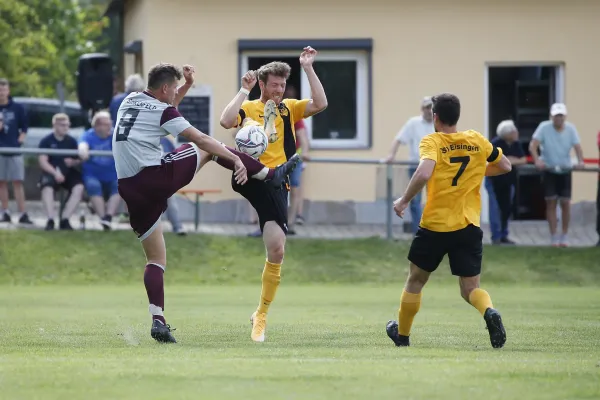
[278,116]
[453,165]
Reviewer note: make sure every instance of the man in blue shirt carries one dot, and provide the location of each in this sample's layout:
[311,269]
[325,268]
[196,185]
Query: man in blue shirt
[557,138]
[99,172]
[134,83]
[12,168]
[501,188]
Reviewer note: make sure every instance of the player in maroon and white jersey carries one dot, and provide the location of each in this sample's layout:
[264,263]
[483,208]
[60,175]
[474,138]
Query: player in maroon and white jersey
[147,179]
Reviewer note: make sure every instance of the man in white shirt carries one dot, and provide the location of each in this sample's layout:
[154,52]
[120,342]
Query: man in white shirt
[411,134]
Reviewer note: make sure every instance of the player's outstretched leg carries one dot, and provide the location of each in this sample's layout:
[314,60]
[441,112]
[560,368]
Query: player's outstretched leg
[156,255]
[480,299]
[410,303]
[256,170]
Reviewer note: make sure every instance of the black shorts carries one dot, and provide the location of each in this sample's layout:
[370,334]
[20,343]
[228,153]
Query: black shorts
[271,204]
[72,179]
[464,248]
[557,186]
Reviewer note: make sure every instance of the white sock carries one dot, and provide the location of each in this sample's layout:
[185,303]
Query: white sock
[155,310]
[262,175]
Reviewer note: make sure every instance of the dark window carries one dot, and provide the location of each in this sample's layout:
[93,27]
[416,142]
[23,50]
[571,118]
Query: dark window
[339,81]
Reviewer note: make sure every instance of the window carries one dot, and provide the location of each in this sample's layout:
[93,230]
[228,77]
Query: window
[344,70]
[40,115]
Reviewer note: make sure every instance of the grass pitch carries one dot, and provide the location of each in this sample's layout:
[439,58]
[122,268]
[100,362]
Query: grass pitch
[323,342]
[74,323]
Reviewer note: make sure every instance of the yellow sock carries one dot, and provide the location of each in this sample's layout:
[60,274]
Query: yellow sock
[409,307]
[480,299]
[271,277]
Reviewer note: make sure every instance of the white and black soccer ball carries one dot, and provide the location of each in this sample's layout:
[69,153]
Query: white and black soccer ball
[252,140]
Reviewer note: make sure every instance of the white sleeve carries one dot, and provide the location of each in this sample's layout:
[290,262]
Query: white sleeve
[406,133]
[173,122]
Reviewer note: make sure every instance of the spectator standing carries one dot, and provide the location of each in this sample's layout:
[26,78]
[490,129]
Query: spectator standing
[557,138]
[60,171]
[295,211]
[12,166]
[411,134]
[501,188]
[133,83]
[99,172]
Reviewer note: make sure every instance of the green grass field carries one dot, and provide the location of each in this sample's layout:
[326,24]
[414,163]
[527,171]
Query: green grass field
[75,323]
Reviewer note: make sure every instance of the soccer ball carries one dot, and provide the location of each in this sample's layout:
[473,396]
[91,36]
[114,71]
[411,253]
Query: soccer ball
[252,140]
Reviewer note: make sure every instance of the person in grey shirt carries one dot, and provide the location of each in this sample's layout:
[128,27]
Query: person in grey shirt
[557,138]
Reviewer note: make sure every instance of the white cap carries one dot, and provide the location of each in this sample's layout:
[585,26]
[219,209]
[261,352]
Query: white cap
[426,102]
[558,109]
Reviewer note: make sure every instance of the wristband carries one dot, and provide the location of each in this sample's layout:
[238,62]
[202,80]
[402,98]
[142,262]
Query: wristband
[245,91]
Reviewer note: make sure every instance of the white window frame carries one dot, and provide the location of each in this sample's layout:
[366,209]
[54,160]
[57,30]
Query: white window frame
[362,94]
[559,85]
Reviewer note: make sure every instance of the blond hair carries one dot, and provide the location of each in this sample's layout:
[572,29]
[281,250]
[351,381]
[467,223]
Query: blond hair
[275,68]
[60,117]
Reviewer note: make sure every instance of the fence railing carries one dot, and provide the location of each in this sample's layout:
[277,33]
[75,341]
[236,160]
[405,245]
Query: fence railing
[389,170]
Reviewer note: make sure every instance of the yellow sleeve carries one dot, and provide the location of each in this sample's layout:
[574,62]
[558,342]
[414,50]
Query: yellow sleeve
[242,114]
[493,154]
[297,108]
[428,149]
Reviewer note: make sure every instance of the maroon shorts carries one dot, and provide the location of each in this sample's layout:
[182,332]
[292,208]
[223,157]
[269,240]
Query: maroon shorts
[146,193]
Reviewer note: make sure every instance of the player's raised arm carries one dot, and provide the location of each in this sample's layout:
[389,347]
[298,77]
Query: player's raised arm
[229,116]
[188,74]
[318,100]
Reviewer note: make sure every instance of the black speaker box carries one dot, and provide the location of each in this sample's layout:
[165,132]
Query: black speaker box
[94,81]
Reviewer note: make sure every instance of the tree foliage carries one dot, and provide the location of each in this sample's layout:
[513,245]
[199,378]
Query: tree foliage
[42,41]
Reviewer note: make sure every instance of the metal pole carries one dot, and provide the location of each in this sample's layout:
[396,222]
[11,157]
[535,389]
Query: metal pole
[389,178]
[60,90]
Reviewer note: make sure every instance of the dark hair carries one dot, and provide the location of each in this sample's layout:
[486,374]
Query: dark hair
[163,74]
[447,108]
[3,82]
[275,68]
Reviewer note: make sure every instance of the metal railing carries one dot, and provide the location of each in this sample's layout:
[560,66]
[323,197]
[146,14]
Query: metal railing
[389,170]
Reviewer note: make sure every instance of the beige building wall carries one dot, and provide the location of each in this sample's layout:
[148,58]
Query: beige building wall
[420,48]
[136,27]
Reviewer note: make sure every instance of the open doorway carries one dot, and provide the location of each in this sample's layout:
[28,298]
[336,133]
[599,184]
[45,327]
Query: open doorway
[254,63]
[524,94]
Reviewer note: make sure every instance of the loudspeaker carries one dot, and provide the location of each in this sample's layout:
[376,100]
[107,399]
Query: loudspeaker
[94,81]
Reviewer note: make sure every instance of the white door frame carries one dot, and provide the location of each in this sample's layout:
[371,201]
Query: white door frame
[560,88]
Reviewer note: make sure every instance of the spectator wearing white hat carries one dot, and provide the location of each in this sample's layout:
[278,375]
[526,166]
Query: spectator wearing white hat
[557,138]
[411,134]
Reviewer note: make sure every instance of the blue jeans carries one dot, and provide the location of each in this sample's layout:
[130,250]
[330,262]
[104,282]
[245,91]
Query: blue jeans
[96,187]
[415,206]
[495,224]
[498,226]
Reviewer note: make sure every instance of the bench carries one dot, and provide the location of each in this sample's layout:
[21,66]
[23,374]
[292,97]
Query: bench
[198,193]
